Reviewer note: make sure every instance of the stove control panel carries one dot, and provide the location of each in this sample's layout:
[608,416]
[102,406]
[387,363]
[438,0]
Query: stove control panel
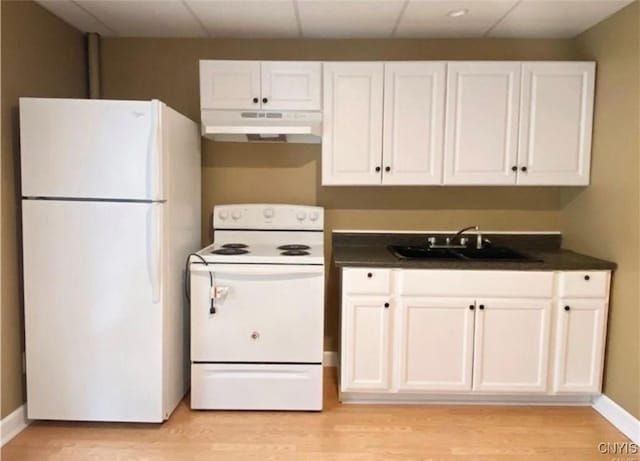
[268,216]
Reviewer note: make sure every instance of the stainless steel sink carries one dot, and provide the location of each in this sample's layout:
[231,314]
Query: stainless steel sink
[489,253]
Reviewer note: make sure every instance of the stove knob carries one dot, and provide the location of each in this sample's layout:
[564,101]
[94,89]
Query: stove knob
[268,213]
[301,215]
[223,214]
[235,214]
[314,216]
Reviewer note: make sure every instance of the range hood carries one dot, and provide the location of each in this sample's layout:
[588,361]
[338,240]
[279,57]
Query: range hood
[262,126]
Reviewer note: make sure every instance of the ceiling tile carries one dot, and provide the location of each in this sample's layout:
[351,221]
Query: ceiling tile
[247,18]
[555,18]
[349,19]
[333,18]
[145,18]
[428,18]
[79,18]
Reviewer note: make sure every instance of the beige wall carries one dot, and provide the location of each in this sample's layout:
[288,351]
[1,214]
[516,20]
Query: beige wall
[45,57]
[168,69]
[41,56]
[603,220]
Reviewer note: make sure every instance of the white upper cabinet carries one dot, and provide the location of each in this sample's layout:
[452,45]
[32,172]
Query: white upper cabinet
[352,150]
[427,122]
[352,123]
[413,122]
[267,85]
[291,85]
[555,123]
[230,85]
[481,123]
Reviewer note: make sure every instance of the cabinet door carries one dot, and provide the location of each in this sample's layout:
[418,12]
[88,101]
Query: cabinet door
[481,122]
[579,345]
[230,85]
[435,344]
[352,123]
[555,123]
[291,85]
[511,345]
[413,122]
[364,363]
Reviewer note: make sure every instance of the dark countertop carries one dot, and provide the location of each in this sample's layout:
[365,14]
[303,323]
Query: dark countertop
[370,250]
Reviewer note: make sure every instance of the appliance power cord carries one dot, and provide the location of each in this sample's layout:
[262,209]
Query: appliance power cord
[187,280]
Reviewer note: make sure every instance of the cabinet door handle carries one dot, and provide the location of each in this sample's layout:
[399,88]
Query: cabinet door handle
[567,308]
[255,100]
[387,169]
[386,305]
[265,100]
[523,169]
[377,169]
[514,168]
[481,307]
[472,307]
[587,278]
[369,275]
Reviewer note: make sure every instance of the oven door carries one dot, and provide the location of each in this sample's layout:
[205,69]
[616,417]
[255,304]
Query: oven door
[264,313]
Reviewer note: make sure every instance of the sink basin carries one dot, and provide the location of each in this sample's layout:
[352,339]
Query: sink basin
[489,253]
[419,252]
[492,253]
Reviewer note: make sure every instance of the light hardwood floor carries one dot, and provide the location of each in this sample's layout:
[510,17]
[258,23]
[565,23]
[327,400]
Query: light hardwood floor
[339,433]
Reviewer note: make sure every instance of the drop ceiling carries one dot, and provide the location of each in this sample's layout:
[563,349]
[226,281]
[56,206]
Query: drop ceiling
[334,18]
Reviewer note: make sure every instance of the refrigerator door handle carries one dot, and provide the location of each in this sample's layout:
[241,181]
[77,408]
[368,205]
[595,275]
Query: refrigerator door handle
[154,153]
[154,240]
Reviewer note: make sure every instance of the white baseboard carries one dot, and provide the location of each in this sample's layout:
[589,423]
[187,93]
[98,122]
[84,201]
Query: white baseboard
[14,423]
[330,359]
[462,399]
[624,421]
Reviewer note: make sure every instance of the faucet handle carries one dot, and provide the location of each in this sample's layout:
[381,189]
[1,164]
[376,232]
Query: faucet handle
[481,241]
[431,241]
[464,241]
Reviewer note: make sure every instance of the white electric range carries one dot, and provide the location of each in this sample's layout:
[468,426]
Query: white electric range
[257,305]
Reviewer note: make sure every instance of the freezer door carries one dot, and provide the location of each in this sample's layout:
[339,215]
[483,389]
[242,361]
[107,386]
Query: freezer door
[93,310]
[83,148]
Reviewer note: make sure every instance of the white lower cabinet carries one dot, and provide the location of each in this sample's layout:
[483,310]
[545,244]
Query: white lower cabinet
[365,343]
[435,342]
[511,345]
[580,339]
[402,335]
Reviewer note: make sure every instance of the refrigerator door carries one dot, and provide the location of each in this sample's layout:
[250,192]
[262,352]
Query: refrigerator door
[82,148]
[93,310]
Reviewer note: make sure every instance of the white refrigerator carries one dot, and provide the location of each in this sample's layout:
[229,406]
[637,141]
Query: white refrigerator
[110,210]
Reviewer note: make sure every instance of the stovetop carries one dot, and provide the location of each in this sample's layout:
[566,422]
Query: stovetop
[264,253]
[266,234]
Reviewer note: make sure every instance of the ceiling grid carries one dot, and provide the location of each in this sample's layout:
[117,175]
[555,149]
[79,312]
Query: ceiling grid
[335,18]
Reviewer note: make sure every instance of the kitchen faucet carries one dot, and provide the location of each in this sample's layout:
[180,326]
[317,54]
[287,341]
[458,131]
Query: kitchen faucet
[462,243]
[459,233]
